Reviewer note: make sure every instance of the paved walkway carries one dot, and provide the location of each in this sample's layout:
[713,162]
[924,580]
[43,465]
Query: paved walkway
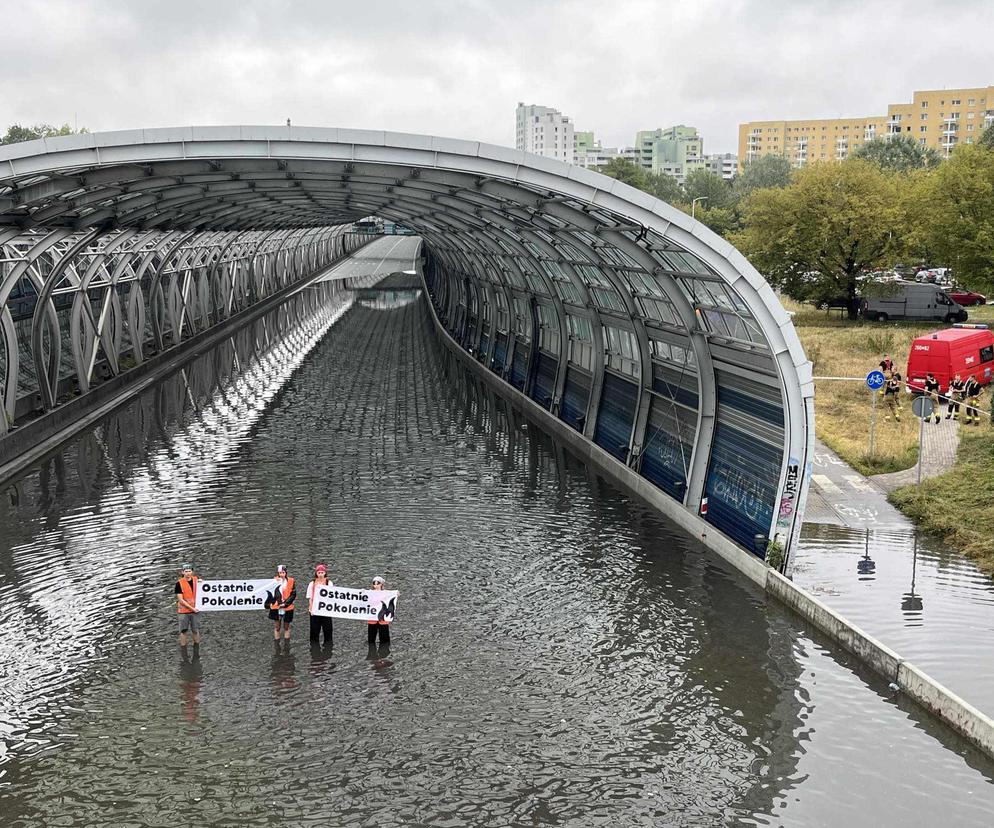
[941,440]
[841,496]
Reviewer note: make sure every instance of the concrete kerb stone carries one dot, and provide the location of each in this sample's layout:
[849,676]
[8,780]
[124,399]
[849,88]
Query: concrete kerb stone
[865,647]
[935,698]
[939,700]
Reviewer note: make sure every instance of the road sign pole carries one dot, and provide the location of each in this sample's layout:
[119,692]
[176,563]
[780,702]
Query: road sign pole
[921,449]
[873,418]
[874,381]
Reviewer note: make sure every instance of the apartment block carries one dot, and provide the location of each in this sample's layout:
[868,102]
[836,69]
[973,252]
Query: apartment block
[542,130]
[935,118]
[724,165]
[676,150]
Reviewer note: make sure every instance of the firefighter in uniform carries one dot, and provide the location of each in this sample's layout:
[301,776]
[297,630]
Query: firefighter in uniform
[932,392]
[280,603]
[893,396]
[971,392]
[886,368]
[955,395]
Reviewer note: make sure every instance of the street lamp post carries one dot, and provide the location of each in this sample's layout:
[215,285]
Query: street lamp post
[693,205]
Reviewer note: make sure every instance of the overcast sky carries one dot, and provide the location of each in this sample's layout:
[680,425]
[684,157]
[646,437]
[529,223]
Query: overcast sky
[459,68]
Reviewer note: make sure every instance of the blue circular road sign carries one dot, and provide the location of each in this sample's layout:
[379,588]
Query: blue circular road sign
[875,380]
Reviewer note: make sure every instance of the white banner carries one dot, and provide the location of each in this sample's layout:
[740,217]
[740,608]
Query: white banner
[246,594]
[361,604]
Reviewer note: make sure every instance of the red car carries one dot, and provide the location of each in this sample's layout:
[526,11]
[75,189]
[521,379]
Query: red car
[964,297]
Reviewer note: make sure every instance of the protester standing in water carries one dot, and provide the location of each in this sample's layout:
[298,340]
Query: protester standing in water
[319,623]
[380,628]
[186,606]
[280,603]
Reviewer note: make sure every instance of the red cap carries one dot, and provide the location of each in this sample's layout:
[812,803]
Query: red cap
[320,568]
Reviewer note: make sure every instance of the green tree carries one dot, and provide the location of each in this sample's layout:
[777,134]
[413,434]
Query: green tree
[17,133]
[664,187]
[765,171]
[952,212]
[712,188]
[725,221]
[628,172]
[814,237]
[900,154]
[987,138]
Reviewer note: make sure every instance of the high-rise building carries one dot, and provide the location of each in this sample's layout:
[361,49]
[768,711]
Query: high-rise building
[724,165]
[676,151]
[542,130]
[598,156]
[584,142]
[940,118]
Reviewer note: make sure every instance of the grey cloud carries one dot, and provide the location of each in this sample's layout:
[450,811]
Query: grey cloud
[458,68]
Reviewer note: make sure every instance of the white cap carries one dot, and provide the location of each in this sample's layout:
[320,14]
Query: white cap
[281,567]
[379,579]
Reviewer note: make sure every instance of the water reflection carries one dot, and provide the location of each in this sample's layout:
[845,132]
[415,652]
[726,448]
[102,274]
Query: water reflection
[191,674]
[885,590]
[565,656]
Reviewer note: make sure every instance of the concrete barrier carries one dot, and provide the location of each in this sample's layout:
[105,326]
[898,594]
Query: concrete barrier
[942,703]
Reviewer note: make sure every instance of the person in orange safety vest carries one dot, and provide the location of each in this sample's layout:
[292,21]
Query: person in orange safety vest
[186,606]
[280,602]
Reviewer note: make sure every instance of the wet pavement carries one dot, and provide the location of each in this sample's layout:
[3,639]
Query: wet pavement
[562,655]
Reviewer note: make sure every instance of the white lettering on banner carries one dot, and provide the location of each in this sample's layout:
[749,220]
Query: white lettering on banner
[246,594]
[361,604]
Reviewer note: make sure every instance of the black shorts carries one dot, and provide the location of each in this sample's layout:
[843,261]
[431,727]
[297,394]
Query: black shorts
[287,617]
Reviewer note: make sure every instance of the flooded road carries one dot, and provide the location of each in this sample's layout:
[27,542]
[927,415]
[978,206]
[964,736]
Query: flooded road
[562,655]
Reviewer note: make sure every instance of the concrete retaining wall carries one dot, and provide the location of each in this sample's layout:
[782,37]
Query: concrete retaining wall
[930,694]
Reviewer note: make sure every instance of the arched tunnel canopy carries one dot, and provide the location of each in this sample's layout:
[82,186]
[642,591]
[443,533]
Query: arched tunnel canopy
[616,312]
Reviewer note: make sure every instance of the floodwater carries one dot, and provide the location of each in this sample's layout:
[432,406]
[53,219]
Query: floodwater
[562,656]
[926,601]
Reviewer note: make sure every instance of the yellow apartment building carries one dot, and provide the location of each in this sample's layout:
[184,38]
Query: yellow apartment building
[939,118]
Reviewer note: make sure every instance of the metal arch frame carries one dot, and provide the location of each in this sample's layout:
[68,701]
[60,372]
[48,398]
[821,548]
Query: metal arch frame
[276,178]
[188,253]
[23,268]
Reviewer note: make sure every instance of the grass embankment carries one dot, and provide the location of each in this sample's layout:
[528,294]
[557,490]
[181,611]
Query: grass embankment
[959,505]
[840,348]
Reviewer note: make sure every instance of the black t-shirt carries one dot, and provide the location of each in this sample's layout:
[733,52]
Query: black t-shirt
[179,589]
[932,386]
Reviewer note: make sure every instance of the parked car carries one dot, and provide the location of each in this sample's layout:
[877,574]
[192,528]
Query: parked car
[966,298]
[910,300]
[935,274]
[967,350]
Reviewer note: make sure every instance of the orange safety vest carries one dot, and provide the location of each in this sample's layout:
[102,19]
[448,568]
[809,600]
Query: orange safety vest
[314,592]
[286,590]
[188,592]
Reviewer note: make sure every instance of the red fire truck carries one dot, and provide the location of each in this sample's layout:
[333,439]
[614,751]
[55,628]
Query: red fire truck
[967,350]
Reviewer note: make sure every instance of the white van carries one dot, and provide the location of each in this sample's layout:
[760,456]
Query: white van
[910,300]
